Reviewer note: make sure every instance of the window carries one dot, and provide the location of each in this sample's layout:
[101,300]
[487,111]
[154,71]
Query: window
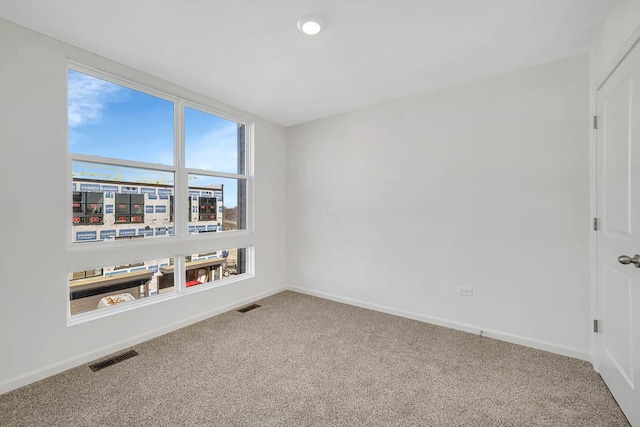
[129,208]
[213,143]
[207,209]
[112,286]
[204,268]
[171,209]
[87,208]
[127,179]
[215,153]
[115,121]
[85,274]
[216,199]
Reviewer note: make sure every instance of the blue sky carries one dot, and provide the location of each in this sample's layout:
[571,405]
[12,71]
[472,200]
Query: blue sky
[110,120]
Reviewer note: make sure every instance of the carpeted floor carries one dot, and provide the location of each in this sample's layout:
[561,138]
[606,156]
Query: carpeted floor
[303,361]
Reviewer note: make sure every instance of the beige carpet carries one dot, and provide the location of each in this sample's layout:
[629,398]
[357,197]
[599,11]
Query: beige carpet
[302,361]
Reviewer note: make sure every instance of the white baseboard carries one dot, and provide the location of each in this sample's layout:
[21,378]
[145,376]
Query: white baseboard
[502,336]
[40,374]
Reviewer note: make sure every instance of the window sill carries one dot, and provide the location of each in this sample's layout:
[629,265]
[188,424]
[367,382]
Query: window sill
[99,245]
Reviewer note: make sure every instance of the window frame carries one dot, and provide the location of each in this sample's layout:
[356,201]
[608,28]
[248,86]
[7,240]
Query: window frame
[82,256]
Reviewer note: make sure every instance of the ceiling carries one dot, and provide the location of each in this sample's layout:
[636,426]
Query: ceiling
[250,54]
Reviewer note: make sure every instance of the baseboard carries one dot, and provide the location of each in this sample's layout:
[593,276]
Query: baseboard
[502,336]
[40,374]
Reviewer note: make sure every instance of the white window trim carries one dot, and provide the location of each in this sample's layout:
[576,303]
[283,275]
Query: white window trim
[82,255]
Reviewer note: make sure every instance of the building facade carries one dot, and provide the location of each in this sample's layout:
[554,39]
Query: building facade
[105,210]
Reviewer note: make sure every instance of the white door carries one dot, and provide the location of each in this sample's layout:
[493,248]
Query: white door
[618,207]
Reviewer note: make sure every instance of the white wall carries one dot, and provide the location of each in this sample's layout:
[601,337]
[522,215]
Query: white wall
[485,185]
[35,340]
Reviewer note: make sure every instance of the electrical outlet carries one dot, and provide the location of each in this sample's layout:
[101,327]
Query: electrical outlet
[467,292]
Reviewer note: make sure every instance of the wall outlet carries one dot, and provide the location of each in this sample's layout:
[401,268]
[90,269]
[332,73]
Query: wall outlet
[467,292]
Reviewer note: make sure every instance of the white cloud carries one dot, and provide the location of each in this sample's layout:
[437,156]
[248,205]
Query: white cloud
[215,151]
[88,97]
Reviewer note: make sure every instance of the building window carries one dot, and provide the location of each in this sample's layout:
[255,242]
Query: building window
[207,209]
[129,208]
[86,274]
[171,209]
[87,208]
[127,176]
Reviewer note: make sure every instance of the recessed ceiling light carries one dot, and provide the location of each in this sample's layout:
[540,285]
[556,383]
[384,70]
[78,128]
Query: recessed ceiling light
[310,25]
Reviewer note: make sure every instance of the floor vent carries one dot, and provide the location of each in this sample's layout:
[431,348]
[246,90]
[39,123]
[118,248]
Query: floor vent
[113,360]
[248,308]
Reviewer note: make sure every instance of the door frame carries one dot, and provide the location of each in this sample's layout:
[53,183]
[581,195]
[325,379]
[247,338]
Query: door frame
[632,41]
